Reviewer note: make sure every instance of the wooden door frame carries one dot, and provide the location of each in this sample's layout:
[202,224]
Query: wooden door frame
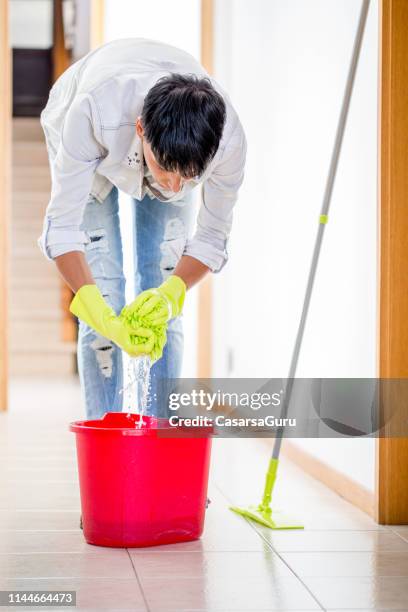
[61,60]
[392,453]
[5,210]
[97,24]
[205,290]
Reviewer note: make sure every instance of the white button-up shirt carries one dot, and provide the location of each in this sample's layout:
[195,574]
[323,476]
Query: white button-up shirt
[90,128]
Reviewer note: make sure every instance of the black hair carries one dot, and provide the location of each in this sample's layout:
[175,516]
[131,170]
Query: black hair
[183,119]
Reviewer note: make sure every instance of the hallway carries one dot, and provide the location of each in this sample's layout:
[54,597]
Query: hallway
[342,560]
[36,317]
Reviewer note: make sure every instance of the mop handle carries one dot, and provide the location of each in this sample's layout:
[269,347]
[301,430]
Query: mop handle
[323,218]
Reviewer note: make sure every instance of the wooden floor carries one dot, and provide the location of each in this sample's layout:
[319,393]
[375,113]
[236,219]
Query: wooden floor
[36,346]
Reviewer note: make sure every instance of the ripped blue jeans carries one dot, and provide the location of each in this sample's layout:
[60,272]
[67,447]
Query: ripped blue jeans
[161,230]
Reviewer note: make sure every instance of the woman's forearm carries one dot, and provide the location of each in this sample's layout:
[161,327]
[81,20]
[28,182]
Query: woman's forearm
[74,269]
[190,270]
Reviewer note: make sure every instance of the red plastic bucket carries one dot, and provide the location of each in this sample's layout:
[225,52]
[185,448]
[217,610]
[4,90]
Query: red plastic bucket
[141,486]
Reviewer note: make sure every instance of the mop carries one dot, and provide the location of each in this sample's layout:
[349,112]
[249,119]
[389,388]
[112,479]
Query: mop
[263,513]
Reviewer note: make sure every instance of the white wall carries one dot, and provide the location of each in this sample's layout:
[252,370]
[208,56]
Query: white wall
[176,23]
[284,63]
[30,24]
[81,33]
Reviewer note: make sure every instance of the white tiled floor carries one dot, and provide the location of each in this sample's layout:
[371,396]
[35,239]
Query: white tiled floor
[342,560]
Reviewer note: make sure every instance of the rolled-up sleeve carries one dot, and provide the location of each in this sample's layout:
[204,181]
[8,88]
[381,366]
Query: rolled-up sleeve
[219,195]
[72,173]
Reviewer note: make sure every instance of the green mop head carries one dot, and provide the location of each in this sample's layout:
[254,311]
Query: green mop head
[266,517]
[263,514]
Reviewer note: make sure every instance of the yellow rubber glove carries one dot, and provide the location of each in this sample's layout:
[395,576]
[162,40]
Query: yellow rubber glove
[155,307]
[90,306]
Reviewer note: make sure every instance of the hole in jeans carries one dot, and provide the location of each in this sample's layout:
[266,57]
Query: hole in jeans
[104,355]
[97,241]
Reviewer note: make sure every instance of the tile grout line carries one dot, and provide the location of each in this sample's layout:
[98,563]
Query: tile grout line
[276,552]
[42,510]
[81,578]
[395,532]
[82,553]
[138,582]
[77,530]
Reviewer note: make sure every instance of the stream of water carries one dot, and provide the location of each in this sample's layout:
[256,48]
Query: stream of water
[138,388]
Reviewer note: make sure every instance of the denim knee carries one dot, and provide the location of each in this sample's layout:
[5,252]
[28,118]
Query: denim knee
[106,353]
